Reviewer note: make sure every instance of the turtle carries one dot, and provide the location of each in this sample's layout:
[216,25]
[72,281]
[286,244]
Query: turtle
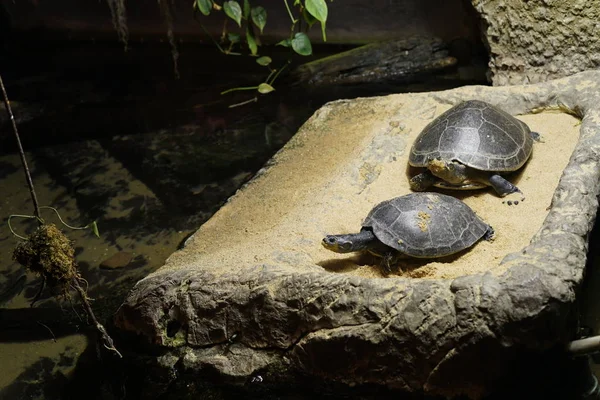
[471,146]
[419,225]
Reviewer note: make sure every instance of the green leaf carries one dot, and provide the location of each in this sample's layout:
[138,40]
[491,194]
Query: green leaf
[259,17]
[284,43]
[233,10]
[251,41]
[246,9]
[265,88]
[308,17]
[301,44]
[318,9]
[233,37]
[95,229]
[204,6]
[264,60]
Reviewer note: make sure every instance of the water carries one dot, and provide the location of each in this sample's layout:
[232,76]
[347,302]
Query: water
[148,159]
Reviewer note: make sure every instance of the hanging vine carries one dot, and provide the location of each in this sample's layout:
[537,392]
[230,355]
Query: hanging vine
[118,13]
[251,21]
[119,19]
[165,8]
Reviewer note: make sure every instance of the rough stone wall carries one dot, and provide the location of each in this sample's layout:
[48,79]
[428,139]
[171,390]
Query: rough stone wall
[538,40]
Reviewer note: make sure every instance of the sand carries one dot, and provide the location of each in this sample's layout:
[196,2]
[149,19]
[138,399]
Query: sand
[348,157]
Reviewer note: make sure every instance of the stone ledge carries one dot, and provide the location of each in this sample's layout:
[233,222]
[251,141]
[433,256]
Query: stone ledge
[247,295]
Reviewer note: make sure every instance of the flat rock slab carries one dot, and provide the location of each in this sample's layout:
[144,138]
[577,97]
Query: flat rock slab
[254,297]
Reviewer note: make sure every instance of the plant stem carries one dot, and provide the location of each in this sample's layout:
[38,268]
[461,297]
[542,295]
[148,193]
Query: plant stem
[277,73]
[252,100]
[63,222]
[20,216]
[294,21]
[239,88]
[209,35]
[289,11]
[36,207]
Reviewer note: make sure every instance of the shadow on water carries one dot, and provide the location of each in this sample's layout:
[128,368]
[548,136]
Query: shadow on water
[113,137]
[43,371]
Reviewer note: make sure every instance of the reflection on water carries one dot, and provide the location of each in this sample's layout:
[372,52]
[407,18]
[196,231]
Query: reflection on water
[114,138]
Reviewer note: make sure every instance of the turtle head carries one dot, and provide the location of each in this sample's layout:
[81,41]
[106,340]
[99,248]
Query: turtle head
[452,172]
[363,240]
[338,243]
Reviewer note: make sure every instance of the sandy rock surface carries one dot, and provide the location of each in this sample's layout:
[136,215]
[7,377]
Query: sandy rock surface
[253,291]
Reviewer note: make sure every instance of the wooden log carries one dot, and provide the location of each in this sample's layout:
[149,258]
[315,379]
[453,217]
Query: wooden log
[399,60]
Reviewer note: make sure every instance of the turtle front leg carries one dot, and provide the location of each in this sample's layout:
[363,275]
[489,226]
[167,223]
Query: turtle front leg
[489,234]
[422,181]
[504,188]
[390,262]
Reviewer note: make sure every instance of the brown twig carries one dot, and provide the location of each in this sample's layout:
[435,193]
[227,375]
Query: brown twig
[36,206]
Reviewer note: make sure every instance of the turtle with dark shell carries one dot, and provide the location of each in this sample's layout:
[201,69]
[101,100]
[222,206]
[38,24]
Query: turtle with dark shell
[422,225]
[471,146]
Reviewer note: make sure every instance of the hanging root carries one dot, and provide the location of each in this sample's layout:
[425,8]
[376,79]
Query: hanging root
[119,19]
[165,8]
[118,13]
[107,341]
[50,254]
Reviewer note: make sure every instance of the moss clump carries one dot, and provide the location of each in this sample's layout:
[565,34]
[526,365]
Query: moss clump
[49,253]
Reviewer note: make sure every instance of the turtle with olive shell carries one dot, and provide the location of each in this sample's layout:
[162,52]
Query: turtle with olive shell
[422,225]
[470,146]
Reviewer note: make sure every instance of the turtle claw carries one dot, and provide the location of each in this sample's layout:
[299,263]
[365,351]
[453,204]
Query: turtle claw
[514,198]
[537,137]
[490,234]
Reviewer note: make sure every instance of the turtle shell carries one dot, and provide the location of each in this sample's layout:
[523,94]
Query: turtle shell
[476,134]
[425,224]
